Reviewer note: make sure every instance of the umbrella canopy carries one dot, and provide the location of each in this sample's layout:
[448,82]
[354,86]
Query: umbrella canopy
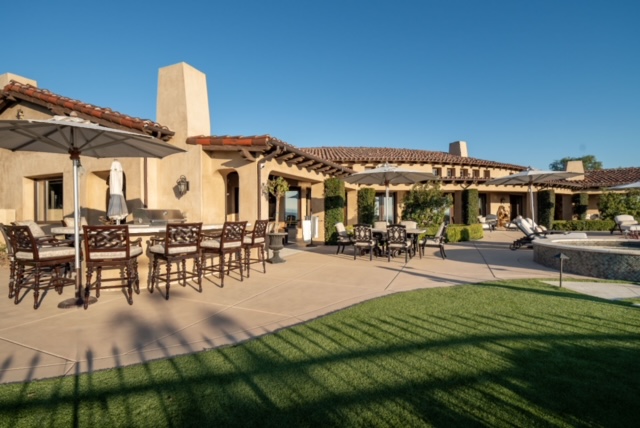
[532,176]
[76,136]
[117,209]
[629,186]
[386,174]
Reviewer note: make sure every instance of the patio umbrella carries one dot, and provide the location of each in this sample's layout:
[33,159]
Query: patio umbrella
[629,186]
[532,176]
[117,209]
[386,174]
[76,136]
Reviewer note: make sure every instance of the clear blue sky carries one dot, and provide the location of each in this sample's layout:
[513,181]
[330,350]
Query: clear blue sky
[523,82]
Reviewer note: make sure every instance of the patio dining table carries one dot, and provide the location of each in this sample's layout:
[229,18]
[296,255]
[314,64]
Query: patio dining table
[381,237]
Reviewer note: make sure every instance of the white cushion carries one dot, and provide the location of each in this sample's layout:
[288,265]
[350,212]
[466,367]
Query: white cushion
[47,253]
[215,243]
[133,252]
[36,230]
[159,249]
[248,240]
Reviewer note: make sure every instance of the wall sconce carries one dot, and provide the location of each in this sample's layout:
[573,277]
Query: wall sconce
[183,185]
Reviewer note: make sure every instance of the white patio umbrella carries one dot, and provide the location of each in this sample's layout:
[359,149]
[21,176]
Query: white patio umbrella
[629,186]
[117,209]
[76,136]
[386,175]
[532,176]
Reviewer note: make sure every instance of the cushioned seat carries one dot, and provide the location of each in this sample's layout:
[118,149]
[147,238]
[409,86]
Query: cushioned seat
[229,242]
[363,240]
[255,239]
[109,248]
[181,242]
[39,267]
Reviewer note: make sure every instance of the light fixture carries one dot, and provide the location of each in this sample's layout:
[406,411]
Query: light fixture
[183,185]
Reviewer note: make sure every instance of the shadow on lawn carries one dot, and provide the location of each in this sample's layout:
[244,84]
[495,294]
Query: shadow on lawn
[365,366]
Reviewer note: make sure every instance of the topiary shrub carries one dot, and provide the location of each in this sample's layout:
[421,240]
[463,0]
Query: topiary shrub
[334,203]
[463,232]
[546,205]
[366,205]
[580,202]
[584,225]
[470,206]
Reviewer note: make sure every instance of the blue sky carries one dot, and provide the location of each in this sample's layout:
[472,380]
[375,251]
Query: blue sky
[523,82]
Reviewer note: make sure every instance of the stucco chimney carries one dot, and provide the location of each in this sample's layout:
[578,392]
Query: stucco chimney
[459,148]
[8,77]
[575,166]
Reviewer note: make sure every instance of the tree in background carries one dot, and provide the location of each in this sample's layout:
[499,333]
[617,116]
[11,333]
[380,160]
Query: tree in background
[589,161]
[426,204]
[612,204]
[278,187]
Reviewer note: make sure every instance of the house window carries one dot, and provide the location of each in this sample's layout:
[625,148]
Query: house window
[476,173]
[437,172]
[48,199]
[487,173]
[464,172]
[451,172]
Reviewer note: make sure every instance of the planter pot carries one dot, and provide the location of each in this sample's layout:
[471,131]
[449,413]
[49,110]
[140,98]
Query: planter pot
[276,243]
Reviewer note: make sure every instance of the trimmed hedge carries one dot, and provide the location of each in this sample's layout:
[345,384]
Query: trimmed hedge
[366,205]
[470,206]
[584,225]
[580,205]
[546,207]
[463,232]
[334,203]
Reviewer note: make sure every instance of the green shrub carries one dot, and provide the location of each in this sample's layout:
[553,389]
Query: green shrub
[366,205]
[463,232]
[583,225]
[580,205]
[334,203]
[470,206]
[426,204]
[546,206]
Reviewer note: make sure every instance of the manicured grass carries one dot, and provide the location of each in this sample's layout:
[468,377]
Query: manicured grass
[516,353]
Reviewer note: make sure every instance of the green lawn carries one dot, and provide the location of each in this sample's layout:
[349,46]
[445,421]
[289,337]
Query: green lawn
[516,353]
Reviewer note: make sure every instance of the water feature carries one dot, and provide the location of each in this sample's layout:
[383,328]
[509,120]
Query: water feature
[595,257]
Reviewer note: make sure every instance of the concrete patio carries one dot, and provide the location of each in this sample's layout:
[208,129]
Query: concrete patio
[314,281]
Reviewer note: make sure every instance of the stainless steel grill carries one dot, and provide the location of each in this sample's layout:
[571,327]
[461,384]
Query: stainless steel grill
[157,216]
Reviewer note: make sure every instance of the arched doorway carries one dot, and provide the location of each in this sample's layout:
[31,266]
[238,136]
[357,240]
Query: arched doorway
[232,209]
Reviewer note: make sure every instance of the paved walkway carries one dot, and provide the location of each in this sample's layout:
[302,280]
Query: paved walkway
[51,342]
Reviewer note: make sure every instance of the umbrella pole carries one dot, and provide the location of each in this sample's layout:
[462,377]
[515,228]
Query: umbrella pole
[386,203]
[78,300]
[533,215]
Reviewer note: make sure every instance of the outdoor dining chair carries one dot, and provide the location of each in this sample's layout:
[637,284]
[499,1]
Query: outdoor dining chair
[343,238]
[109,248]
[10,257]
[181,242]
[398,241]
[363,239]
[40,264]
[437,240]
[228,243]
[255,239]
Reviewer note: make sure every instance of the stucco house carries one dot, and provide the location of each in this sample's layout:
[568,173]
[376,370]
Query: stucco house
[226,174]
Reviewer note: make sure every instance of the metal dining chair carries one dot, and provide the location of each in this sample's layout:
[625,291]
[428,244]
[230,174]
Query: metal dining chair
[397,240]
[181,242]
[109,248]
[255,239]
[40,264]
[228,243]
[363,239]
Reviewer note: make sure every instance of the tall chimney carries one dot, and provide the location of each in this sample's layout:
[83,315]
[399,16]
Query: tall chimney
[459,148]
[8,77]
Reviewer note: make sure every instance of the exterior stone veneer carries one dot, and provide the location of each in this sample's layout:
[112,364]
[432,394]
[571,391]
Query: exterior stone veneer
[588,257]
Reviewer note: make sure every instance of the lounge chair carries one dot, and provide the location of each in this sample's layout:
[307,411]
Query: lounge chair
[488,222]
[623,223]
[532,231]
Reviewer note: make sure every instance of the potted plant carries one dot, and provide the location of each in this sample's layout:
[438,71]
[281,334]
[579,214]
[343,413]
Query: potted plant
[277,187]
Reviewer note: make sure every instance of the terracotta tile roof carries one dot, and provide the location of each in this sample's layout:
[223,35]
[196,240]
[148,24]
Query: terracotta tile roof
[392,155]
[610,177]
[57,104]
[252,147]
